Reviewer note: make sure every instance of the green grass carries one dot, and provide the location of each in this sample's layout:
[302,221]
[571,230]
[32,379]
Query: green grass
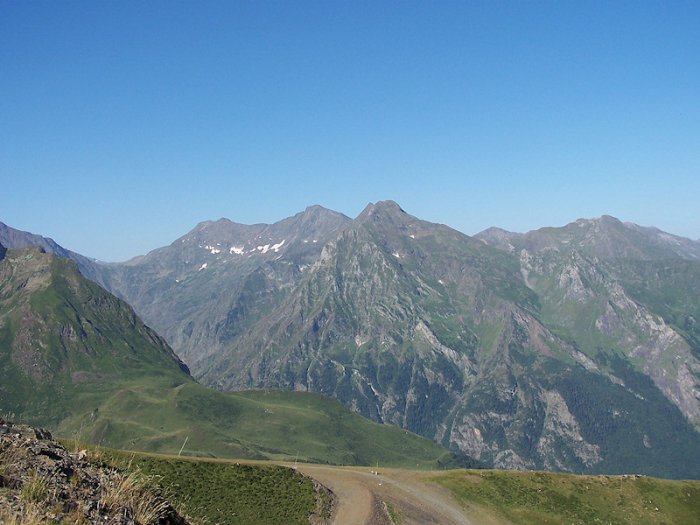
[157,416]
[210,492]
[547,498]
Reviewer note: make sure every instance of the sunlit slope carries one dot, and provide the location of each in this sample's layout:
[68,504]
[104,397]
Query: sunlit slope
[256,425]
[534,498]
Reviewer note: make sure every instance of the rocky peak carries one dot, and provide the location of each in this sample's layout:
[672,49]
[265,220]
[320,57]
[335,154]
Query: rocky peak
[603,223]
[499,238]
[222,229]
[603,219]
[387,215]
[381,207]
[12,238]
[319,211]
[314,220]
[608,237]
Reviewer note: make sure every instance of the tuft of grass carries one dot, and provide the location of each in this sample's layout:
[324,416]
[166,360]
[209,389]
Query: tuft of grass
[534,498]
[35,489]
[8,458]
[76,517]
[135,494]
[31,515]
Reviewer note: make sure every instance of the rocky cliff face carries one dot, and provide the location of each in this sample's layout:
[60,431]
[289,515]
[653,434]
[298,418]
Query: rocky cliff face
[620,290]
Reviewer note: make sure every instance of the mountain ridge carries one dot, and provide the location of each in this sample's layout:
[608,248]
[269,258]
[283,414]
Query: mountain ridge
[77,358]
[663,244]
[313,339]
[482,343]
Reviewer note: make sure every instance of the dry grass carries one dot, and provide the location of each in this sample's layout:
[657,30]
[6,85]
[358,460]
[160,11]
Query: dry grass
[131,495]
[33,494]
[31,515]
[76,517]
[35,488]
[134,494]
[8,458]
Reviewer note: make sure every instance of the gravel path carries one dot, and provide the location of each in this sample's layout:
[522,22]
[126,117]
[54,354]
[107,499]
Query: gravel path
[362,494]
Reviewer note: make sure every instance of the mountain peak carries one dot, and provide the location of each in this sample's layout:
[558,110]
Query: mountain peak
[316,208]
[499,237]
[204,225]
[12,238]
[603,220]
[387,207]
[319,212]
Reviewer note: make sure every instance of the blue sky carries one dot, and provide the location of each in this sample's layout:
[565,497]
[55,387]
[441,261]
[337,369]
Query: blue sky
[123,124]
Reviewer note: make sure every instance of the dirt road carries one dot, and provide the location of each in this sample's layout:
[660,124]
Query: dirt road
[365,498]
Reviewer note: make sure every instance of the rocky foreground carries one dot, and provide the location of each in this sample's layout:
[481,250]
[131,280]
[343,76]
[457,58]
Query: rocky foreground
[42,482]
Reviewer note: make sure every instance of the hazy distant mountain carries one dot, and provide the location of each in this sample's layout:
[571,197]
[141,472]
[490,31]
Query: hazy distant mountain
[604,237]
[209,285]
[573,348]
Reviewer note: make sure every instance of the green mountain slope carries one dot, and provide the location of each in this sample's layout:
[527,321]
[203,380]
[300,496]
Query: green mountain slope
[253,425]
[78,359]
[62,335]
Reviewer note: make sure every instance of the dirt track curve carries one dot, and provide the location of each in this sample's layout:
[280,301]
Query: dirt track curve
[363,497]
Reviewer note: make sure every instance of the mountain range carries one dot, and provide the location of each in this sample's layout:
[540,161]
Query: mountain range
[574,348]
[78,359]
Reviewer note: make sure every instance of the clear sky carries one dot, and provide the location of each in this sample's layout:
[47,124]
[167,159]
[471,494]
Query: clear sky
[123,124]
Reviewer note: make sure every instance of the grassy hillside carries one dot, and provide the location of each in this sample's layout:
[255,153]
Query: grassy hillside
[536,498]
[229,493]
[63,338]
[159,417]
[226,492]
